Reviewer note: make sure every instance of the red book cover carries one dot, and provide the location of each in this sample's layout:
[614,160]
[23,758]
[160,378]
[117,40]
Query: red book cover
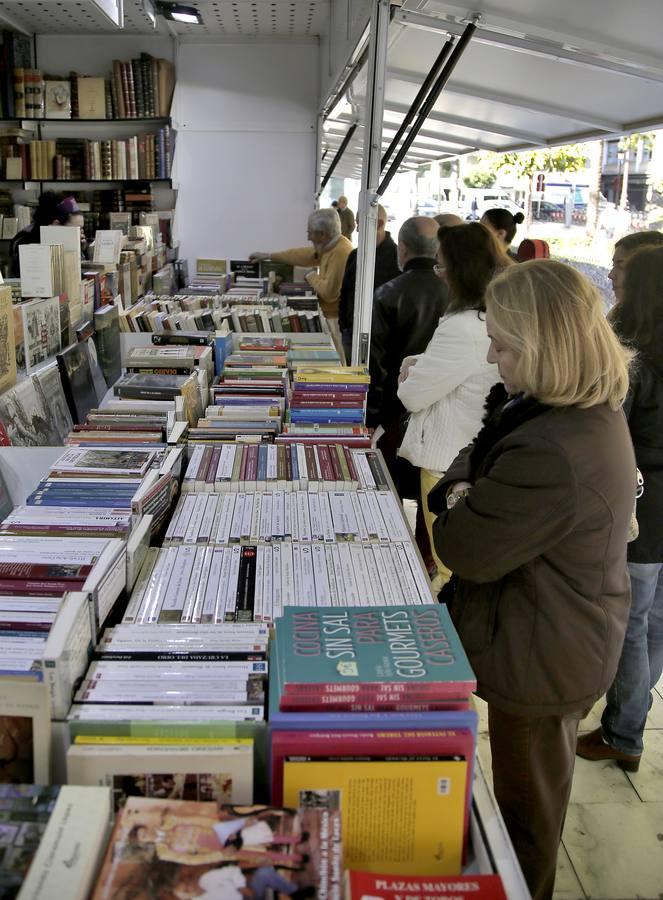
[367,886]
[19,588]
[4,437]
[44,571]
[322,455]
[359,705]
[252,464]
[336,465]
[288,461]
[349,458]
[329,396]
[213,464]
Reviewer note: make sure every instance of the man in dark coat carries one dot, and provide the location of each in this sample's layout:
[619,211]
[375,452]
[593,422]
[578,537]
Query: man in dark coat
[406,312]
[347,217]
[386,268]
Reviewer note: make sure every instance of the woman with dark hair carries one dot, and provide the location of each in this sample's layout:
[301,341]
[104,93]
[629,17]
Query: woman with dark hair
[51,209]
[444,388]
[638,322]
[503,225]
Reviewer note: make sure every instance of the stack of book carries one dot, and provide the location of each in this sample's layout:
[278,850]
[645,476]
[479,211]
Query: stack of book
[377,697]
[173,699]
[49,567]
[138,387]
[327,402]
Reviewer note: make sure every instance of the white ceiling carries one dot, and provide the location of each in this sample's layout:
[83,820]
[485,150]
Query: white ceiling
[262,18]
[535,73]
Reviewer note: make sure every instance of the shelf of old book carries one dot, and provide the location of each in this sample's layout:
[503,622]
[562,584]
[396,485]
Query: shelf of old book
[152,120]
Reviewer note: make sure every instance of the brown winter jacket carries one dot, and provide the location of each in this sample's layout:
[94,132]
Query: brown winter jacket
[539,546]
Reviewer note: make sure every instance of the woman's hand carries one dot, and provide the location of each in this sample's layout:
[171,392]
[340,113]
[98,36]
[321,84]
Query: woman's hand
[406,365]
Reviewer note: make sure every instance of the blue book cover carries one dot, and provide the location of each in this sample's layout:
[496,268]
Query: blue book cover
[223,345]
[295,462]
[327,416]
[262,463]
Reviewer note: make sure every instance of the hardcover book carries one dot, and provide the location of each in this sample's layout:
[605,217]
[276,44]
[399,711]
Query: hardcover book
[7,341]
[24,416]
[77,382]
[27,809]
[41,330]
[57,99]
[49,387]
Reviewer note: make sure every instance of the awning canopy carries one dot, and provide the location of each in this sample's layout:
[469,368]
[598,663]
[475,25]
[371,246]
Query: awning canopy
[535,74]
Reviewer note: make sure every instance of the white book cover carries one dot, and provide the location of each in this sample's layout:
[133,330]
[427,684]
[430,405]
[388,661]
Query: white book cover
[108,247]
[267,584]
[308,595]
[321,576]
[208,612]
[351,590]
[72,847]
[106,461]
[266,516]
[175,596]
[197,584]
[277,581]
[37,272]
[67,651]
[67,235]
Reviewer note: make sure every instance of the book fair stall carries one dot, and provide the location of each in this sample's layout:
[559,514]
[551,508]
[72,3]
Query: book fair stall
[224,671]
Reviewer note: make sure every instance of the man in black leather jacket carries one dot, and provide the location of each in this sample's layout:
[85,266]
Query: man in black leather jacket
[406,312]
[386,268]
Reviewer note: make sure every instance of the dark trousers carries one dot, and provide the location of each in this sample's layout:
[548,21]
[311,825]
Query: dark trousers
[533,762]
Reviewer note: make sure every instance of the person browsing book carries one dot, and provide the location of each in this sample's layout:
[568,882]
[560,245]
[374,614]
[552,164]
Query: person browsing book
[50,210]
[444,387]
[533,519]
[329,253]
[406,311]
[638,321]
[386,268]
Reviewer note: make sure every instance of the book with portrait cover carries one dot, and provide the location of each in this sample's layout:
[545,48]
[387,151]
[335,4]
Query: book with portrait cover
[24,416]
[77,381]
[41,330]
[25,729]
[179,848]
[7,341]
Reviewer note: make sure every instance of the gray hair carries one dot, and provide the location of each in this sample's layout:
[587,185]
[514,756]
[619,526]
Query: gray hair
[326,220]
[417,243]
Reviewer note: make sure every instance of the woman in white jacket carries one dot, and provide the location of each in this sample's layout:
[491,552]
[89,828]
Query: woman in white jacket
[444,388]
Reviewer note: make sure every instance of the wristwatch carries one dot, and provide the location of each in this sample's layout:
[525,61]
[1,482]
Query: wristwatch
[454,496]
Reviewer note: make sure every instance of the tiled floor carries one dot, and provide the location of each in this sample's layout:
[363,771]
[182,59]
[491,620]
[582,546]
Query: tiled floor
[612,847]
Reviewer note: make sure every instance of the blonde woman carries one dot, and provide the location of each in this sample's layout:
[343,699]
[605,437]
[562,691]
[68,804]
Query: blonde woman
[535,527]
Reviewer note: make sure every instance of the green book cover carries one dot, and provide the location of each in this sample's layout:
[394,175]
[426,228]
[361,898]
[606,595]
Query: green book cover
[414,646]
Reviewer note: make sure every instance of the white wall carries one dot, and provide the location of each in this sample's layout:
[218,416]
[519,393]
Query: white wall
[245,157]
[245,148]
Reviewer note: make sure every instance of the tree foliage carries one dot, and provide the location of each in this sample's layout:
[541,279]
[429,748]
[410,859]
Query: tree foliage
[526,163]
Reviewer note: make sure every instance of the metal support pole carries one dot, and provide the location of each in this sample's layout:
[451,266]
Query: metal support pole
[318,160]
[368,198]
[416,103]
[430,101]
[337,158]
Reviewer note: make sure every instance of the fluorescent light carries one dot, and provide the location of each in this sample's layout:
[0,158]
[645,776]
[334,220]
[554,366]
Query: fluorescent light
[150,12]
[180,12]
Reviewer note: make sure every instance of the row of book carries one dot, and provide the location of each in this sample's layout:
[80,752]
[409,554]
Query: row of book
[329,466]
[144,156]
[150,316]
[140,88]
[245,517]
[53,824]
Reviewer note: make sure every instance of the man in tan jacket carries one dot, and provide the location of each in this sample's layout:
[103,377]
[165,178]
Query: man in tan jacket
[329,255]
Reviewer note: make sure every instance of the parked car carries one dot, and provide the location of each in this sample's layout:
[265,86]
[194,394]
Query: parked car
[545,211]
[499,203]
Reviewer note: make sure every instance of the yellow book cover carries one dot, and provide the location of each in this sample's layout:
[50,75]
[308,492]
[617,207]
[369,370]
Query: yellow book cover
[7,341]
[91,98]
[211,266]
[333,374]
[400,817]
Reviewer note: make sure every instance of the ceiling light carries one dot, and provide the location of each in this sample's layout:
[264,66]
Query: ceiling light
[180,12]
[150,12]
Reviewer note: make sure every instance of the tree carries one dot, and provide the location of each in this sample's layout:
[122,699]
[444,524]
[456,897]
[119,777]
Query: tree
[528,163]
[483,173]
[628,144]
